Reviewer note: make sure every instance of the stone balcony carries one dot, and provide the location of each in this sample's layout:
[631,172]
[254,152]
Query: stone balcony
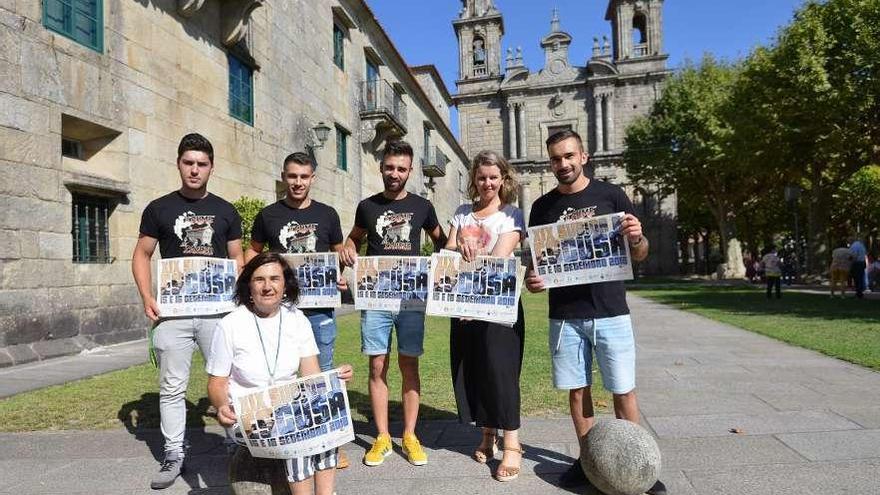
[434,162]
[382,111]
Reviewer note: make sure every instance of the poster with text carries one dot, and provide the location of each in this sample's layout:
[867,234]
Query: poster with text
[304,417]
[195,286]
[316,274]
[583,251]
[391,283]
[487,288]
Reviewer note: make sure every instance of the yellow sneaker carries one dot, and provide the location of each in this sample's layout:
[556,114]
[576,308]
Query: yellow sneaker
[379,451]
[415,454]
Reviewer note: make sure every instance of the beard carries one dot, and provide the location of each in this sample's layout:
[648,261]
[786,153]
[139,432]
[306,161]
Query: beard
[574,175]
[390,186]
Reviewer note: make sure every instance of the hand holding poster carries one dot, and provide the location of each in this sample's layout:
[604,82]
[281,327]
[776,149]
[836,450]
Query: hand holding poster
[296,419]
[195,286]
[583,251]
[317,274]
[391,283]
[487,288]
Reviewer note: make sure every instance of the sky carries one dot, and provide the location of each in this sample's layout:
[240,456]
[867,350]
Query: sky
[422,29]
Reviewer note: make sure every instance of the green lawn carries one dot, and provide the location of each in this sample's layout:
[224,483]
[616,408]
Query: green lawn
[848,329]
[129,397]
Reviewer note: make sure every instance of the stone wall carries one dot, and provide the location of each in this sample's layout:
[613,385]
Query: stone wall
[159,76]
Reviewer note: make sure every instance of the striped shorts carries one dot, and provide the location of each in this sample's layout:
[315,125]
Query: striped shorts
[298,468]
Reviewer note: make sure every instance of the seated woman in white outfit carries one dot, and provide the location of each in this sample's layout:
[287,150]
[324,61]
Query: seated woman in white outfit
[267,340]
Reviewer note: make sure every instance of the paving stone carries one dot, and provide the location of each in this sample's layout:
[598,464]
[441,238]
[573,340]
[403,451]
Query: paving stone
[720,425]
[851,478]
[735,450]
[835,445]
[867,416]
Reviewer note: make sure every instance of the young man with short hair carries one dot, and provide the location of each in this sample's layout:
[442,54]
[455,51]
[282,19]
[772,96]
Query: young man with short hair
[166,221]
[373,218]
[299,224]
[584,318]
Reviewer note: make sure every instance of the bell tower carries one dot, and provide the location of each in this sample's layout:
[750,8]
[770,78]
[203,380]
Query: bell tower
[636,28]
[479,29]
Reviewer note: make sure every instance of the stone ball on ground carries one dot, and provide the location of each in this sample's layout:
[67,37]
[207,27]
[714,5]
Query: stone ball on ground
[620,457]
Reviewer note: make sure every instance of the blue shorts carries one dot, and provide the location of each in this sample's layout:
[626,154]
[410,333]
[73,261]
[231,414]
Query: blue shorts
[571,346]
[376,332]
[324,329]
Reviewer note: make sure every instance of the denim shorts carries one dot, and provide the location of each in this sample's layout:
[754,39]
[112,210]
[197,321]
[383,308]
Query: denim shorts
[572,343]
[324,329]
[376,332]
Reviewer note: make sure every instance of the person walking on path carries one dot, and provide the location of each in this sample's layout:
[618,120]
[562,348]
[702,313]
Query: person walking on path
[165,222]
[299,224]
[487,357]
[242,359]
[772,267]
[585,318]
[859,263]
[841,261]
[373,218]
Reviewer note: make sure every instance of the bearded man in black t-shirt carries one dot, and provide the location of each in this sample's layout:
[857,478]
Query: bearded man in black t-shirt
[299,224]
[392,222]
[187,222]
[593,317]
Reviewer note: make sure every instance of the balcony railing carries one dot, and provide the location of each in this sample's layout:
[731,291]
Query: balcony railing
[379,99]
[481,71]
[640,50]
[434,162]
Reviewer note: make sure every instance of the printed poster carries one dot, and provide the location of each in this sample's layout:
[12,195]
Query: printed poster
[391,283]
[296,419]
[316,274]
[583,251]
[487,288]
[195,286]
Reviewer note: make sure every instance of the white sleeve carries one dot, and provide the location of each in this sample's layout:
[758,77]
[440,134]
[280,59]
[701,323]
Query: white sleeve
[220,362]
[460,212]
[305,342]
[513,220]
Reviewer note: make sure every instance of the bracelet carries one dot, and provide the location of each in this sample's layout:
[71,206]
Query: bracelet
[634,244]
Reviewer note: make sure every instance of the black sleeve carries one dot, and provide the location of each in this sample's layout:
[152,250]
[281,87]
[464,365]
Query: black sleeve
[149,226]
[234,225]
[535,214]
[431,221]
[335,228]
[623,203]
[258,230]
[360,216]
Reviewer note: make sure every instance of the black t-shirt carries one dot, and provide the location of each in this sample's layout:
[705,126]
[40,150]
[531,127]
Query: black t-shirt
[394,226]
[297,230]
[600,300]
[191,227]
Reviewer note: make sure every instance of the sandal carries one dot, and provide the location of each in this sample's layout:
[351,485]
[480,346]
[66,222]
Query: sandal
[483,454]
[509,473]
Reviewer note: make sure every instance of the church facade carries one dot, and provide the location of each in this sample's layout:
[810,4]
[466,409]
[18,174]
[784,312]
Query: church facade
[504,106]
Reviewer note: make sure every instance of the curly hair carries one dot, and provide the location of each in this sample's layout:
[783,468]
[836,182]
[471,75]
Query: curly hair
[509,190]
[243,284]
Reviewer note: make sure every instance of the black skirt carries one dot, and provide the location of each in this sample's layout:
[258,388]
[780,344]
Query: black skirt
[486,365]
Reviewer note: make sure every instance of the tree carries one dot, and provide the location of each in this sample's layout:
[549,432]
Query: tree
[247,208]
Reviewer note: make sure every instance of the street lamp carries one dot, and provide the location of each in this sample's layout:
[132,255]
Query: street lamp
[792,195]
[318,136]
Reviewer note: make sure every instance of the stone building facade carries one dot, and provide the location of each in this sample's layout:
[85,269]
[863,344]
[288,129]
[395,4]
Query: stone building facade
[514,110]
[95,95]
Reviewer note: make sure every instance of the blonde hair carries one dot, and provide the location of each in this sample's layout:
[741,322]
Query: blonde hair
[486,158]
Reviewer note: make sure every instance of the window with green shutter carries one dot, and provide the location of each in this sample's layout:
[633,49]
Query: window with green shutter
[241,90]
[338,47]
[90,229]
[79,20]
[341,148]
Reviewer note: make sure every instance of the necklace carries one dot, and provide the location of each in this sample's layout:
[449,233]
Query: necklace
[271,370]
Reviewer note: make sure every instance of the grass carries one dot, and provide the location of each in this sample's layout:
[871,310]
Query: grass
[848,329]
[130,398]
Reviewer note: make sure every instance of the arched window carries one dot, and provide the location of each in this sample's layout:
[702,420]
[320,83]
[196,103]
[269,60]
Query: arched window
[479,50]
[640,35]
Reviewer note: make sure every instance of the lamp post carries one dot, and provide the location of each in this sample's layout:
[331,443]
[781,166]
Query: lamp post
[792,195]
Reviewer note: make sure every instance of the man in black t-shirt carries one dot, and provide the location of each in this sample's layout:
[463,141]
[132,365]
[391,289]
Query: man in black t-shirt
[392,222]
[187,222]
[585,318]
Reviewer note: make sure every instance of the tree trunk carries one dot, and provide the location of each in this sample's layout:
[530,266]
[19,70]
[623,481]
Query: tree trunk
[818,213]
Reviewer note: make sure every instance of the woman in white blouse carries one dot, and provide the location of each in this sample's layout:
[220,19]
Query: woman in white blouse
[266,340]
[487,357]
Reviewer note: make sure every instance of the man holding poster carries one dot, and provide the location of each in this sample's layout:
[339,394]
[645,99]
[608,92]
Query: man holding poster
[589,317]
[392,222]
[187,222]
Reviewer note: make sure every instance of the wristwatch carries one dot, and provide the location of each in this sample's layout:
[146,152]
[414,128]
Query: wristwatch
[634,244]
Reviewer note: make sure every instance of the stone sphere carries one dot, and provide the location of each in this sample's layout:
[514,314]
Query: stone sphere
[620,457]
